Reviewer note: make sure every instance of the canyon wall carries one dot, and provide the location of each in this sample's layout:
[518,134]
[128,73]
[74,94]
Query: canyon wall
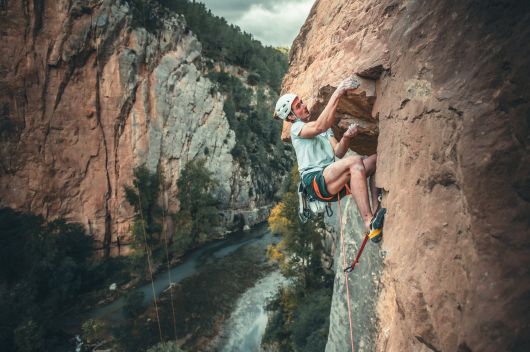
[88,92]
[445,102]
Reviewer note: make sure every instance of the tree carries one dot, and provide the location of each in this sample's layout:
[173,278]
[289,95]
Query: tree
[301,241]
[143,196]
[198,213]
[92,330]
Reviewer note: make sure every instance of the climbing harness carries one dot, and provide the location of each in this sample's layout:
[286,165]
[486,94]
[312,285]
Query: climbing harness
[309,207]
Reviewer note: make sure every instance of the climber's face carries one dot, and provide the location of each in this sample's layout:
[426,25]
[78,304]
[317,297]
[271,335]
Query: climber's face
[300,109]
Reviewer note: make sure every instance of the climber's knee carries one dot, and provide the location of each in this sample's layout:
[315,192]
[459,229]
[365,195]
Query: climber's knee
[356,164]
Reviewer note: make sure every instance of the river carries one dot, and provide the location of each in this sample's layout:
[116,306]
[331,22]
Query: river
[243,330]
[246,326]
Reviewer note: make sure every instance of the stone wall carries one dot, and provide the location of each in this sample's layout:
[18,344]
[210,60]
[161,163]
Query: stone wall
[451,128]
[87,94]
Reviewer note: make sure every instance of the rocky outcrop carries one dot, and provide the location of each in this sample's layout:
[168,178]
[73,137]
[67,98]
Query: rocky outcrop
[450,123]
[88,93]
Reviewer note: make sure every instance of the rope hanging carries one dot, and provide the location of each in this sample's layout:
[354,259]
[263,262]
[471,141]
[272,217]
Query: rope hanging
[167,261]
[149,265]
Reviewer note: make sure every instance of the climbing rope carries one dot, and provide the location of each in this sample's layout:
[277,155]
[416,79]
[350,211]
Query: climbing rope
[149,265]
[346,276]
[167,261]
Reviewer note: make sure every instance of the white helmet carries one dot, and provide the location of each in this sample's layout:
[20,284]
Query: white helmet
[283,105]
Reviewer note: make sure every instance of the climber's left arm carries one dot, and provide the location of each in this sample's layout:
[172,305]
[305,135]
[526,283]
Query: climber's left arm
[340,148]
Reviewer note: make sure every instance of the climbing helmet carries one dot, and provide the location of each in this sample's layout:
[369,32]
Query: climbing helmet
[283,105]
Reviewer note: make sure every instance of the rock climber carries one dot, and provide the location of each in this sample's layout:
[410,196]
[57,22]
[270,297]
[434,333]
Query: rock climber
[316,148]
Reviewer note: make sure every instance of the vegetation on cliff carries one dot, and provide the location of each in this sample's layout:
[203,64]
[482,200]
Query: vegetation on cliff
[195,221]
[143,196]
[249,114]
[225,42]
[221,41]
[249,97]
[299,318]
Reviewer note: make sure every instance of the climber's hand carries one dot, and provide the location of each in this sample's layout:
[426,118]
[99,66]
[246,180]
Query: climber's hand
[346,85]
[352,131]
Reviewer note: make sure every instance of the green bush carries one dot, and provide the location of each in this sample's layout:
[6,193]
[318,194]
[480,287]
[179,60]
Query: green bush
[144,15]
[311,321]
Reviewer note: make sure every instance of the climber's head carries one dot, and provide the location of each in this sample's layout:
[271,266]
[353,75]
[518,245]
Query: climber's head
[290,106]
[300,110]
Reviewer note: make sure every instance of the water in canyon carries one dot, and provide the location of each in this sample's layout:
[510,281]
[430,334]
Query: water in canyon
[247,321]
[246,326]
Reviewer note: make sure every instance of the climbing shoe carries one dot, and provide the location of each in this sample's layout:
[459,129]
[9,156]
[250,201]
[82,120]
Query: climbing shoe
[376,225]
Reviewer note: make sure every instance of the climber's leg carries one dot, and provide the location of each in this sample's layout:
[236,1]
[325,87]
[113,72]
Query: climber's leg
[352,168]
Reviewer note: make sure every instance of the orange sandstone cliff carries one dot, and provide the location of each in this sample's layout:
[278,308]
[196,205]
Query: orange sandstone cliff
[87,93]
[445,102]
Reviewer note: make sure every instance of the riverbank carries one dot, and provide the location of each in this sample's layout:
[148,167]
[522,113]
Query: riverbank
[123,272]
[202,302]
[207,284]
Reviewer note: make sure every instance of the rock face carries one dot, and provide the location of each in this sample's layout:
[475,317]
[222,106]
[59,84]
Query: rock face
[87,94]
[363,282]
[450,122]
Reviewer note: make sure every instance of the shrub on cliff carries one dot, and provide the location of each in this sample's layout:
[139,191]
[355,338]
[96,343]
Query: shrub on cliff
[134,304]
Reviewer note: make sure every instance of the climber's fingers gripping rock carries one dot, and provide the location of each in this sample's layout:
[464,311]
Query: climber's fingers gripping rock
[346,85]
[352,131]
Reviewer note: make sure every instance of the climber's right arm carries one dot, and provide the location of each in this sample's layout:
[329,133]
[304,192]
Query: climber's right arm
[327,116]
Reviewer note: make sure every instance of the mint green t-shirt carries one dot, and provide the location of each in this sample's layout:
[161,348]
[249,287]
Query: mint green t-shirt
[313,154]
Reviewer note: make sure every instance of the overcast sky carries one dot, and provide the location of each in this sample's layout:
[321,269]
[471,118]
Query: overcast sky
[273,22]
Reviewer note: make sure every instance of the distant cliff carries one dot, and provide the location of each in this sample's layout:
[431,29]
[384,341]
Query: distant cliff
[445,102]
[89,90]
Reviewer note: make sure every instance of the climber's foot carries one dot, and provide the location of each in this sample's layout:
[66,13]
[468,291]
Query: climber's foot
[376,225]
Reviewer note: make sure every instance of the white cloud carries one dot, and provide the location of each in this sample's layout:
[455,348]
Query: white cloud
[272,22]
[277,25]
